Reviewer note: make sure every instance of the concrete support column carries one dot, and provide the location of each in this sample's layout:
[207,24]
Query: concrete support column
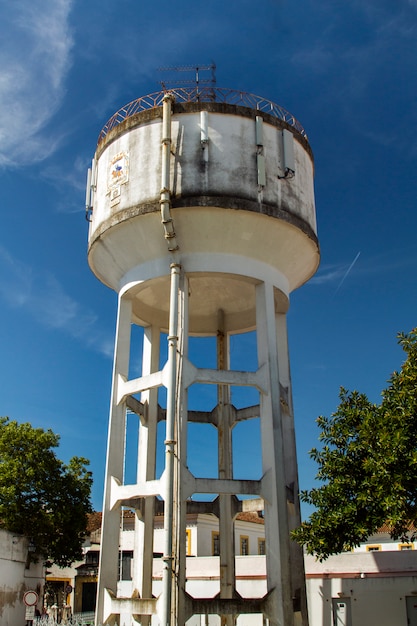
[224,431]
[110,529]
[280,606]
[144,524]
[291,472]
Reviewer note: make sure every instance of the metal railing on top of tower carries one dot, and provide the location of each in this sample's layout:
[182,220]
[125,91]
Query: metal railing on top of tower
[199,93]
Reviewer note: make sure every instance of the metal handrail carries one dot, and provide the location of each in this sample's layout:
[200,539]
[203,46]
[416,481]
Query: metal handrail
[201,94]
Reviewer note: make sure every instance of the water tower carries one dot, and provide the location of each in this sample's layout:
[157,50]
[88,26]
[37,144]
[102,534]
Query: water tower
[202,216]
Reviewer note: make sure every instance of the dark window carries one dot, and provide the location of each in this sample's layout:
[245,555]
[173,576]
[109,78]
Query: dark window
[92,557]
[126,565]
[244,545]
[215,544]
[373,548]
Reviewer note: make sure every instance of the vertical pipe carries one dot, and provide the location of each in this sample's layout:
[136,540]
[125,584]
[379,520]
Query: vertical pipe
[204,138]
[168,573]
[180,504]
[166,140]
[224,429]
[204,127]
[165,198]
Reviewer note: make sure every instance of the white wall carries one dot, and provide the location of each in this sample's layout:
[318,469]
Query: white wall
[373,601]
[251,530]
[203,582]
[15,579]
[201,541]
[375,585]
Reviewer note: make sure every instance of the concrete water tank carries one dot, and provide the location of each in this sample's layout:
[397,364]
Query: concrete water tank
[202,219]
[236,206]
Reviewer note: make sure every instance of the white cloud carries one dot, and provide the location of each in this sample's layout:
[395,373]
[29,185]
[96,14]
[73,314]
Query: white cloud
[337,50]
[15,280]
[329,274]
[44,298]
[383,264]
[317,59]
[335,274]
[74,177]
[34,60]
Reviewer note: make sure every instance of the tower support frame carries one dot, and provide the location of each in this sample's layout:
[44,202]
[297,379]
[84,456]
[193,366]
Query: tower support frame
[275,491]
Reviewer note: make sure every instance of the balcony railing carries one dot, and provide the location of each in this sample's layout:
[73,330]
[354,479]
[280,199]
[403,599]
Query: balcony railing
[201,94]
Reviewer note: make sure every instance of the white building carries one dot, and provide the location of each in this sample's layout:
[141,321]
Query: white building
[374,585]
[202,543]
[17,576]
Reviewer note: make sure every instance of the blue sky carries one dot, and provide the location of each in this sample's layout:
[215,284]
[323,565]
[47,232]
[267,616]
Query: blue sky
[346,70]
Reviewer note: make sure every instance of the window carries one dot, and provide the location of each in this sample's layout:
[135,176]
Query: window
[188,541]
[261,546]
[244,545]
[215,543]
[91,557]
[373,548]
[406,546]
[126,558]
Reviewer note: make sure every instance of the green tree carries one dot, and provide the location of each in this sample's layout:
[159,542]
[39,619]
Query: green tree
[40,496]
[368,466]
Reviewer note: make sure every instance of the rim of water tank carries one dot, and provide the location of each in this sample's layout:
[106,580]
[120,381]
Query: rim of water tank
[201,94]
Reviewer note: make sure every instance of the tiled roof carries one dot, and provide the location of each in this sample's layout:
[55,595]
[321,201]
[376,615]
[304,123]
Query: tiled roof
[94,521]
[387,528]
[250,517]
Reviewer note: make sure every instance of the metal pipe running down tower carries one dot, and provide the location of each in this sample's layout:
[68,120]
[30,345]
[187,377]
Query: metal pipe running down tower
[224,434]
[165,201]
[170,446]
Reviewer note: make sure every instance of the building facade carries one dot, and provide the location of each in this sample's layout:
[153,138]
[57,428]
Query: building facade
[376,583]
[18,575]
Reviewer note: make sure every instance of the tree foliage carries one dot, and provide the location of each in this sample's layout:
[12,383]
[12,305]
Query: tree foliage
[40,496]
[368,466]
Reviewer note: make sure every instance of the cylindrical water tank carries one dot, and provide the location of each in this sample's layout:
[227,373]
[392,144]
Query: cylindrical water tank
[242,205]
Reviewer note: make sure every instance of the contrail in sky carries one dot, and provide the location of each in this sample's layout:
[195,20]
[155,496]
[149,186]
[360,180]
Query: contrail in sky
[347,272]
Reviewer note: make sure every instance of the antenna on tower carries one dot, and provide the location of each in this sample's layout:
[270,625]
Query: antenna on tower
[198,75]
